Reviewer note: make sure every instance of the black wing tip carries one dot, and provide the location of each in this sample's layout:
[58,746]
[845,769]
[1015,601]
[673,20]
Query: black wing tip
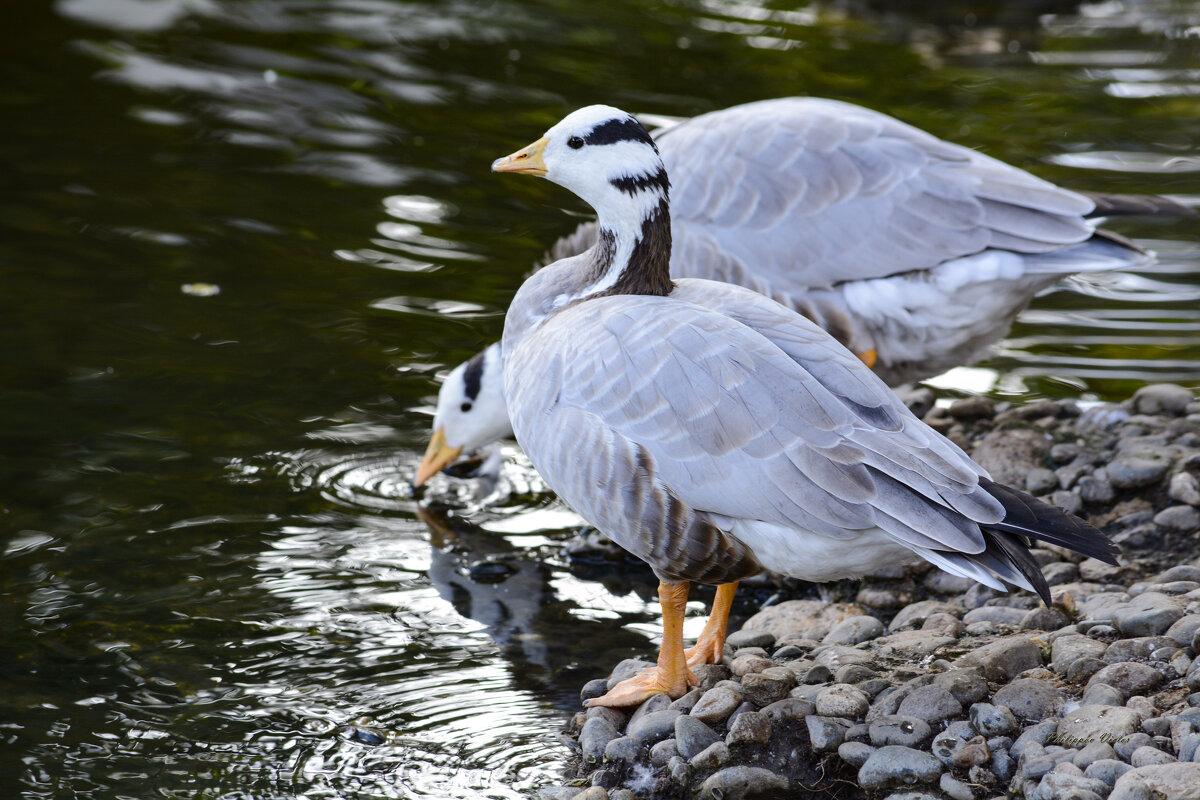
[1115,205]
[1027,516]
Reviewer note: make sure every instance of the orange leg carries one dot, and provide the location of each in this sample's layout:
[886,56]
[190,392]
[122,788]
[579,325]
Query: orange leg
[671,675]
[710,647]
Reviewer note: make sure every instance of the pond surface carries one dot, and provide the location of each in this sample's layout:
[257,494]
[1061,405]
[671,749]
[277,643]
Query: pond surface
[241,239]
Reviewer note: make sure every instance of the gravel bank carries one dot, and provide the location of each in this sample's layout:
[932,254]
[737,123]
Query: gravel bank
[931,686]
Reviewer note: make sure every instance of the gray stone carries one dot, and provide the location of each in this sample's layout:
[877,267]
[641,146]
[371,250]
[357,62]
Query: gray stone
[1069,502]
[1134,472]
[717,704]
[1148,614]
[627,668]
[1067,649]
[789,619]
[854,630]
[788,710]
[1043,619]
[896,729]
[1167,781]
[712,757]
[826,733]
[749,727]
[966,685]
[1040,480]
[1029,699]
[624,749]
[1101,694]
[1060,572]
[931,703]
[1185,488]
[914,614]
[1091,753]
[1165,399]
[1183,519]
[656,702]
[1002,615]
[1146,756]
[1096,723]
[955,789]
[653,727]
[842,700]
[750,638]
[688,701]
[1037,734]
[1128,677]
[768,686]
[855,753]
[1096,489]
[1126,745]
[1057,785]
[1107,770]
[894,766]
[693,736]
[661,753]
[742,783]
[1008,455]
[990,720]
[595,735]
[1003,660]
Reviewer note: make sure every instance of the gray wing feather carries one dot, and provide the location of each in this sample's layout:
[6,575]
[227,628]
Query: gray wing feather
[753,416]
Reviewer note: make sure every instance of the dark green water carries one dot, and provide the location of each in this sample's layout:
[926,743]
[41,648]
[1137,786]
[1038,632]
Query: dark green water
[240,239]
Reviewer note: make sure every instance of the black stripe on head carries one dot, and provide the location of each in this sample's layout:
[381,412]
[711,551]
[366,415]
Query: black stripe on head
[620,130]
[473,375]
[639,183]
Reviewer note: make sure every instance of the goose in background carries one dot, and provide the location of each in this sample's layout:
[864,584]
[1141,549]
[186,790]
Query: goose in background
[913,252]
[714,433]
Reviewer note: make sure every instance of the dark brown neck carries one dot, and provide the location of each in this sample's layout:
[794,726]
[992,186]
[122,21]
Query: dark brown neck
[649,268]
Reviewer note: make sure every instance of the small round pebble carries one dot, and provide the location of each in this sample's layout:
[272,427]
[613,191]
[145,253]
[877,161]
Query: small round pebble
[842,700]
[894,766]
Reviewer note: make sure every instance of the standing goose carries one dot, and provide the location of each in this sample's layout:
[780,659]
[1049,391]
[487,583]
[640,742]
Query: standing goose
[715,433]
[913,252]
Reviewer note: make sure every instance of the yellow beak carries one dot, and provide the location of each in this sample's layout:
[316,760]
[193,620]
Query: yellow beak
[437,455]
[526,161]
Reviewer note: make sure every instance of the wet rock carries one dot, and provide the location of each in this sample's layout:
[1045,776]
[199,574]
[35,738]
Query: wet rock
[842,700]
[1157,781]
[854,630]
[593,688]
[692,736]
[826,733]
[894,766]
[597,732]
[653,727]
[1183,519]
[970,408]
[990,720]
[743,783]
[901,730]
[717,704]
[931,703]
[1003,660]
[1134,472]
[1128,677]
[855,753]
[1162,398]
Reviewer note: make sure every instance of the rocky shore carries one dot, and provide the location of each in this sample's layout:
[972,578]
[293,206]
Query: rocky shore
[923,685]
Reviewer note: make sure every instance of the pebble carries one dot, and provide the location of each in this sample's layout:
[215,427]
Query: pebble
[717,704]
[597,732]
[749,727]
[692,736]
[855,753]
[1162,398]
[901,730]
[1134,472]
[653,727]
[1003,660]
[842,700]
[1166,781]
[1183,519]
[1128,677]
[826,733]
[1185,488]
[990,720]
[1029,699]
[1107,770]
[854,630]
[740,782]
[894,766]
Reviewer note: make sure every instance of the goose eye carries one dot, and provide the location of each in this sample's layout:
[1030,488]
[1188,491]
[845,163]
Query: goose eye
[574,143]
[465,407]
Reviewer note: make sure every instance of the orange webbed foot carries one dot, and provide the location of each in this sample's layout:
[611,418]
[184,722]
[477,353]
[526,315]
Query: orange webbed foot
[650,681]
